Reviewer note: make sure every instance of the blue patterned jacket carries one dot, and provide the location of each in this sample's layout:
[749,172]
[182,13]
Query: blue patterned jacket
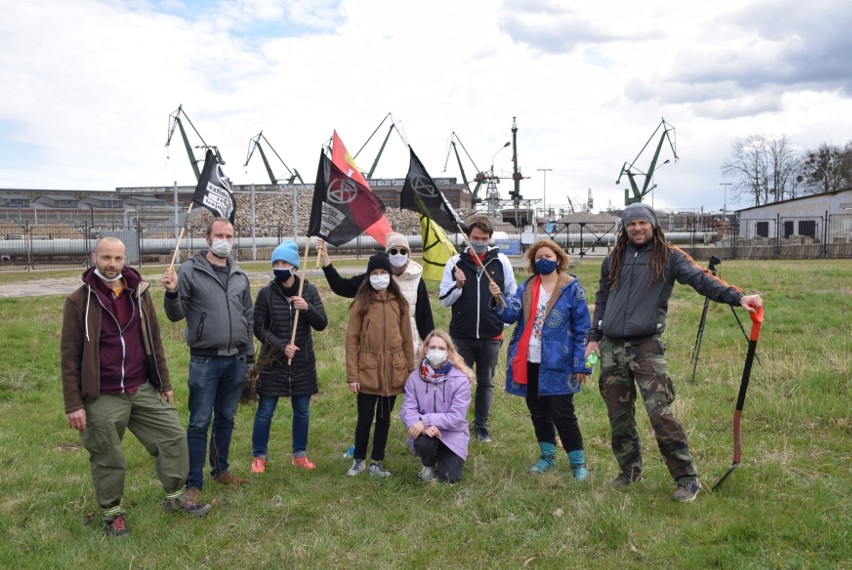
[563,335]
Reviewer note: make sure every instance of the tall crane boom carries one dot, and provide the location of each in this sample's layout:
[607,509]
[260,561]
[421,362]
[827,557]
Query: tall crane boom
[632,172]
[176,122]
[254,144]
[480,176]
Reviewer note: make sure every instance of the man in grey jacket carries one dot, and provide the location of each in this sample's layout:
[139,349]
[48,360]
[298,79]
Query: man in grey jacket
[637,279]
[213,294]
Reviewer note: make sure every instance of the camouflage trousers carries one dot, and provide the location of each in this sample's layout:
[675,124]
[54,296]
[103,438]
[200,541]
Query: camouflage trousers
[626,364]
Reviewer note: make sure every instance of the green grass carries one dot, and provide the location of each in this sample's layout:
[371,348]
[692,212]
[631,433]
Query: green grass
[787,506]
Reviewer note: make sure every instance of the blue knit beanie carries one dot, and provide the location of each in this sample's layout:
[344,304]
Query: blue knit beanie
[287,252]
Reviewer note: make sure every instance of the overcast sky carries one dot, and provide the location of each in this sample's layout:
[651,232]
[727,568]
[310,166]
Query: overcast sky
[88,87]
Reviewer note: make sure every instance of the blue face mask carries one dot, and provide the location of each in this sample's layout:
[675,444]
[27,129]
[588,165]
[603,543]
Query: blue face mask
[282,275]
[546,266]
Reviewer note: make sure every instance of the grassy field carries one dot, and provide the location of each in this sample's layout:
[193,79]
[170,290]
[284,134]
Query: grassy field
[787,506]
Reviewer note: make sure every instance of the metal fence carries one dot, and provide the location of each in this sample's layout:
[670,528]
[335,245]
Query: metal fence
[31,247]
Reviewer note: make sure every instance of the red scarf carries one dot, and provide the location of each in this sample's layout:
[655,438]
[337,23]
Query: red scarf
[519,365]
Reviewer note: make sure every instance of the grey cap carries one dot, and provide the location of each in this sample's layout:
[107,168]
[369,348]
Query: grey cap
[638,211]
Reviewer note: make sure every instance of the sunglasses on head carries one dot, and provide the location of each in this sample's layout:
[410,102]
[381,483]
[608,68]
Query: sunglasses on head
[398,251]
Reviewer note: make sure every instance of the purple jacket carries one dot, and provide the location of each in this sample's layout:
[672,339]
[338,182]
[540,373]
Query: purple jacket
[442,404]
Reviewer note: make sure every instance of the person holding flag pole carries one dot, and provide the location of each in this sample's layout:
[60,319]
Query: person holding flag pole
[475,329]
[213,294]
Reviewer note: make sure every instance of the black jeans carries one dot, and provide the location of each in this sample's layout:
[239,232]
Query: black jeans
[433,453]
[549,411]
[481,354]
[379,407]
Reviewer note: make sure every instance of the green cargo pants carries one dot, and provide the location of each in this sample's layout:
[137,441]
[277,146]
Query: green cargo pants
[155,424]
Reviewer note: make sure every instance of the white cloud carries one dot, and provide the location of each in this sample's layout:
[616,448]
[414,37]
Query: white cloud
[89,85]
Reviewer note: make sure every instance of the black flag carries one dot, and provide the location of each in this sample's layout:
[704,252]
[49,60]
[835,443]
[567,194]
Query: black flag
[214,190]
[421,195]
[342,208]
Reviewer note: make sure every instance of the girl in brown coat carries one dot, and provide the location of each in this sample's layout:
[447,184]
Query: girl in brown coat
[379,356]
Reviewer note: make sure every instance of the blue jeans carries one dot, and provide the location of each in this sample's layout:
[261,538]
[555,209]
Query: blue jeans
[215,386]
[263,423]
[481,354]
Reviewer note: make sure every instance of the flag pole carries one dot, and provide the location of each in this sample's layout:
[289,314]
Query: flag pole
[479,261]
[301,287]
[180,238]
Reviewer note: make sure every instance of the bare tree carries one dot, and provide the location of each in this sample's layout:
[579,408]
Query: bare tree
[827,168]
[765,169]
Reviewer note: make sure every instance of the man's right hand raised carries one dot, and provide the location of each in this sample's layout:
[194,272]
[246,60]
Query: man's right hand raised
[170,280]
[460,277]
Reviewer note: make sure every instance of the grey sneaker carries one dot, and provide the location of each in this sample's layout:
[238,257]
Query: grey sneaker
[687,491]
[376,470]
[427,473]
[482,435]
[184,505]
[358,465]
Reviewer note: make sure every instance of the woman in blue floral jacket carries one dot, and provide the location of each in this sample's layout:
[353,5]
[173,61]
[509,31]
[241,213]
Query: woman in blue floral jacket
[546,361]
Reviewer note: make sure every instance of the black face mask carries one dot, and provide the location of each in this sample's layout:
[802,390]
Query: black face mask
[282,275]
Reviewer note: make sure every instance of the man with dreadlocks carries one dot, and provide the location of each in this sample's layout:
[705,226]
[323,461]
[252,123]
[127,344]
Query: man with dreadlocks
[637,279]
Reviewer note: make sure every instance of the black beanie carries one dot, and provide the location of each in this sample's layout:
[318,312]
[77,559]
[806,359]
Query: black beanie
[379,261]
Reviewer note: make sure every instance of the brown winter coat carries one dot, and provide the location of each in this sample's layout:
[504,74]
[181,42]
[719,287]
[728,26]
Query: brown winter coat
[80,345]
[379,346]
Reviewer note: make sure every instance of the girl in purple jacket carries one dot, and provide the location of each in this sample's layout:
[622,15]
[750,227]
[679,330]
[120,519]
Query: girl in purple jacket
[437,396]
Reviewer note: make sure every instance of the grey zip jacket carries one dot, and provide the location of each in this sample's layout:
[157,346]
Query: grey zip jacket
[638,307]
[219,320]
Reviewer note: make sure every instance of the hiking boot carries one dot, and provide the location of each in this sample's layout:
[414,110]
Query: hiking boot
[303,462]
[547,459]
[358,466]
[349,453]
[482,435]
[686,491]
[258,465]
[228,478]
[577,458]
[581,472]
[116,526]
[626,479]
[427,473]
[376,470]
[184,505]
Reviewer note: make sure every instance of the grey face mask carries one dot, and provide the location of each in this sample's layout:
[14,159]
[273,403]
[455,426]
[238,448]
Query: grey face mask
[221,248]
[479,247]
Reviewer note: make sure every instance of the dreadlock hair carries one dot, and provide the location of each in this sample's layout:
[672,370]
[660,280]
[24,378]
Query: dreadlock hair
[366,295]
[659,255]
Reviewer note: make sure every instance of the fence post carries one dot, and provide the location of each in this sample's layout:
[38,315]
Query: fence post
[29,241]
[777,235]
[826,222]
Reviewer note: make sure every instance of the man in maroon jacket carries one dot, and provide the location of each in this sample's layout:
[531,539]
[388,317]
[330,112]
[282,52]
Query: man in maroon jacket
[114,377]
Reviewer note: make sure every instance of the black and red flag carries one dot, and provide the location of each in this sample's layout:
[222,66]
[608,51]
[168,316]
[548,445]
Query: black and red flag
[214,189]
[342,208]
[420,194]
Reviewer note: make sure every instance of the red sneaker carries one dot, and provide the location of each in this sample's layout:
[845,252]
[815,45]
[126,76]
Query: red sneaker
[304,463]
[258,465]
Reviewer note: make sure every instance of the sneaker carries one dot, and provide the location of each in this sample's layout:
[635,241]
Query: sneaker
[358,465]
[687,491]
[427,473]
[626,479]
[258,465]
[349,453]
[304,463]
[184,505]
[581,472]
[482,435]
[116,526]
[228,478]
[376,470]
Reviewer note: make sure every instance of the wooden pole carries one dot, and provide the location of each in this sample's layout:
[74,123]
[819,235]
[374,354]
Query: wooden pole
[301,287]
[180,237]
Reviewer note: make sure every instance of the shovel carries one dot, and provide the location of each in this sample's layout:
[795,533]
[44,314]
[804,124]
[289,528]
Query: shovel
[756,322]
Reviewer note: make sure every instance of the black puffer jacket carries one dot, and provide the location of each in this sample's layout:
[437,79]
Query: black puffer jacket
[273,326]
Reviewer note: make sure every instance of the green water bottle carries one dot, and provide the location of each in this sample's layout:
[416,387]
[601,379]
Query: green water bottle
[592,359]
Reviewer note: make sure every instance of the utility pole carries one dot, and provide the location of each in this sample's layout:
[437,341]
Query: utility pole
[725,198]
[544,192]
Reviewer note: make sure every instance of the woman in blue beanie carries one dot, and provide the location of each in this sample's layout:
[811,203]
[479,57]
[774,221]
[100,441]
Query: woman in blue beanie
[274,313]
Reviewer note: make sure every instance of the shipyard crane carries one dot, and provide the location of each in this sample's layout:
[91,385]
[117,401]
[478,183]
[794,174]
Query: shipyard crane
[480,176]
[633,173]
[393,126]
[254,144]
[176,122]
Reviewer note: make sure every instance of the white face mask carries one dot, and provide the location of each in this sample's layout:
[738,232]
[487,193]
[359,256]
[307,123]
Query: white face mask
[221,248]
[107,279]
[436,356]
[398,260]
[380,282]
